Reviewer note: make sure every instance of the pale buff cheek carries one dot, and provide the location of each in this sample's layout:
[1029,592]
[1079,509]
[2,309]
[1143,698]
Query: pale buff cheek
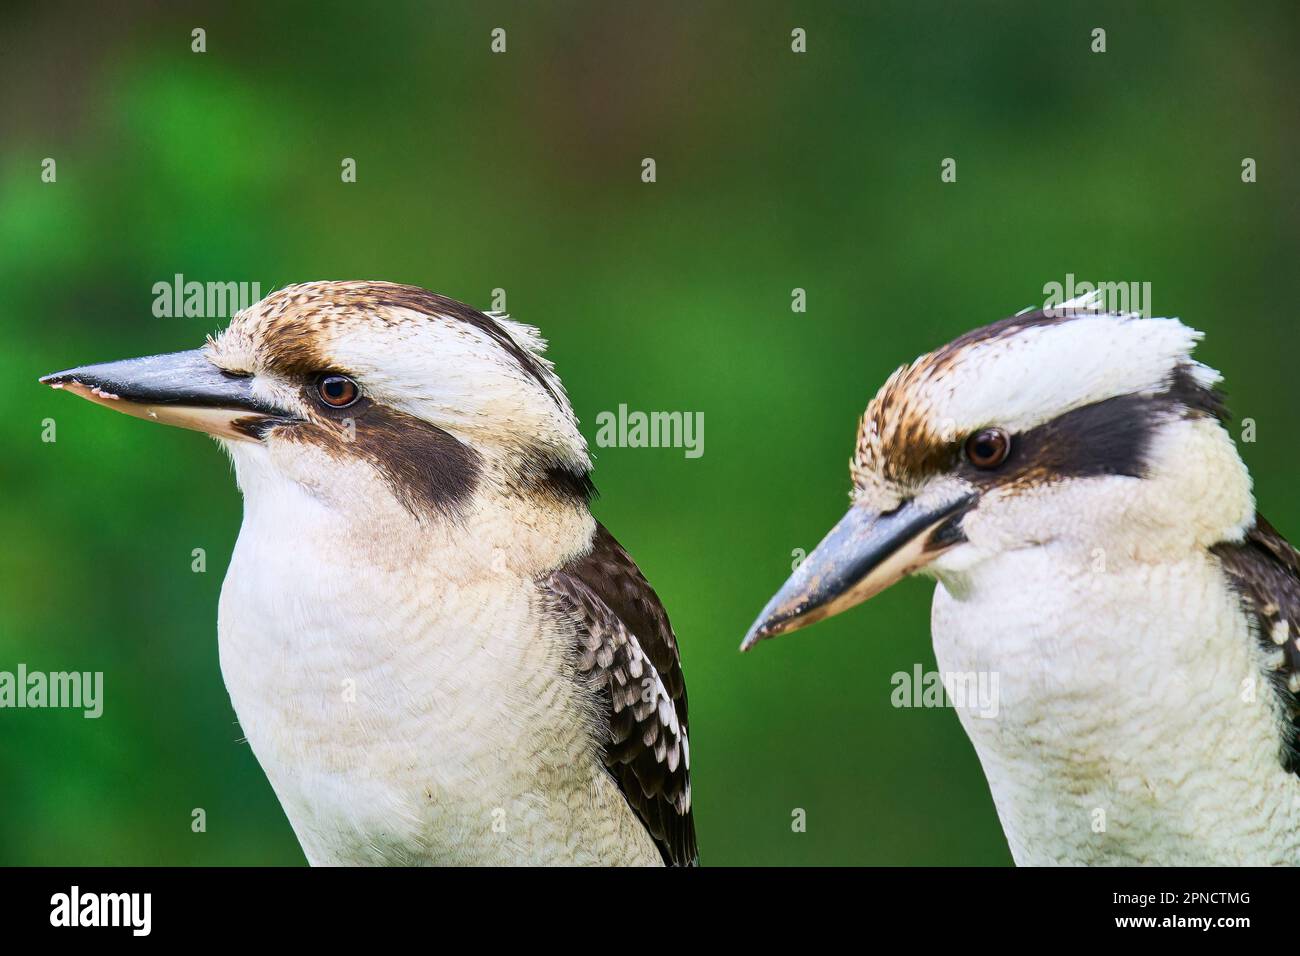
[1203,485]
[1077,513]
[336,479]
[523,535]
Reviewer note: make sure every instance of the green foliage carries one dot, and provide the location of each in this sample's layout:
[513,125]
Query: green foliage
[775,170]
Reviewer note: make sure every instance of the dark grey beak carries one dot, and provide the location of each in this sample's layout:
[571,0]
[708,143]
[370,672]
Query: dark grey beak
[864,553]
[180,388]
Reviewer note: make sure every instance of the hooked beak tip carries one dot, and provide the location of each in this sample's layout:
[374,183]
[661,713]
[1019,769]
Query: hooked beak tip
[770,623]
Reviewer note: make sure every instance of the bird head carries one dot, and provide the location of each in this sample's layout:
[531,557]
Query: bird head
[358,391]
[1094,435]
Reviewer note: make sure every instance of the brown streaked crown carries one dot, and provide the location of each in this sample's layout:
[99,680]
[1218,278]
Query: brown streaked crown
[899,443]
[284,329]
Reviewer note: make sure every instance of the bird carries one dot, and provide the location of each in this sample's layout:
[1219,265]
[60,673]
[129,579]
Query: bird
[1067,478]
[436,653]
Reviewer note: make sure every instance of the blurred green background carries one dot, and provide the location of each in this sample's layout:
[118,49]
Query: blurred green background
[522,171]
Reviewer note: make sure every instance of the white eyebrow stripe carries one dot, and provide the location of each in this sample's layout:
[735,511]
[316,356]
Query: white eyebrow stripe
[1039,372]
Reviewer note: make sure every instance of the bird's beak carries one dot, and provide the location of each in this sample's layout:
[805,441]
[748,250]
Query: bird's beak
[180,388]
[864,553]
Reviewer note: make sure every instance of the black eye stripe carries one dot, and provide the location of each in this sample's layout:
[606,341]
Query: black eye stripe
[1108,437]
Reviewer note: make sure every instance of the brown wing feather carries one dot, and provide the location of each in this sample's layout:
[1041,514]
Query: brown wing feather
[1265,569]
[629,656]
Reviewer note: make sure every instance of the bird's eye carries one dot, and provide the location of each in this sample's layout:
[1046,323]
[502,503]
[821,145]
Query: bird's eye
[988,447]
[337,391]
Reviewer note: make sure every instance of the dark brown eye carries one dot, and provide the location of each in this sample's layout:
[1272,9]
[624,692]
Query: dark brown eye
[337,391]
[988,447]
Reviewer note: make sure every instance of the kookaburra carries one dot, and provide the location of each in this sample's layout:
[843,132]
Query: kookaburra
[435,651]
[1070,483]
